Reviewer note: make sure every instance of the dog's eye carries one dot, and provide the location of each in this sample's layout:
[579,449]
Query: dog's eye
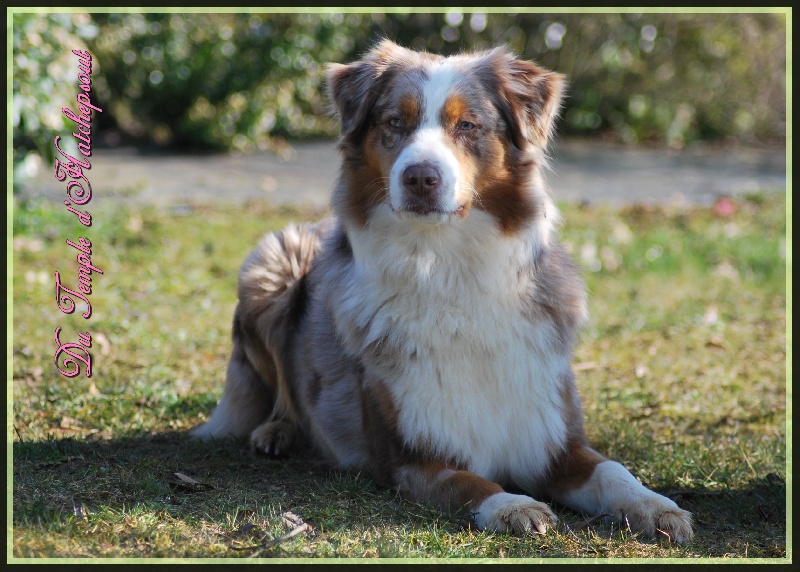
[466,126]
[395,122]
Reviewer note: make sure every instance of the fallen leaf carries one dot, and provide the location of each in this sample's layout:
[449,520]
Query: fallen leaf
[187,479]
[291,520]
[188,484]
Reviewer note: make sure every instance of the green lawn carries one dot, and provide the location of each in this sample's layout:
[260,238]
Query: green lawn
[682,370]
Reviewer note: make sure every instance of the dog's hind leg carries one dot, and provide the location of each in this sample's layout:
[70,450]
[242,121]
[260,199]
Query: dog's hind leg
[272,298]
[247,400]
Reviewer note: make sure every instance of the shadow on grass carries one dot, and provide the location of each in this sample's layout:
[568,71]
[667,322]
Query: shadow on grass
[62,479]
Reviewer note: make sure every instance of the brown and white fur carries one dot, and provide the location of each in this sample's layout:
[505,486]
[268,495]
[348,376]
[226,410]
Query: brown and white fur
[425,333]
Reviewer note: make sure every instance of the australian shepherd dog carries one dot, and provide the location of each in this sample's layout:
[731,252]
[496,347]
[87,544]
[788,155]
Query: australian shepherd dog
[424,333]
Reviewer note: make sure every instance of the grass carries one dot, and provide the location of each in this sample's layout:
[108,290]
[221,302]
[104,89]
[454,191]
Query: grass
[682,371]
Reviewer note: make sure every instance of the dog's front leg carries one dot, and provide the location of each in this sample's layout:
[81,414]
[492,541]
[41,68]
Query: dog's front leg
[490,507]
[586,481]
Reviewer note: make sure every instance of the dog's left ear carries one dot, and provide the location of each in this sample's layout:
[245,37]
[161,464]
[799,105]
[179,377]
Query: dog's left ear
[530,97]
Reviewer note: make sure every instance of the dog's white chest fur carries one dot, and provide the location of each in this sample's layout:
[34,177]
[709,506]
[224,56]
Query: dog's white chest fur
[473,378]
[482,397]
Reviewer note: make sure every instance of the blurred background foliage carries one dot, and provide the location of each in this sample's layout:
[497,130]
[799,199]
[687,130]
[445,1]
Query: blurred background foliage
[249,81]
[44,80]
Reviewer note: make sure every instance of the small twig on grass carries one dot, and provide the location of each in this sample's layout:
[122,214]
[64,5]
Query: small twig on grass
[16,430]
[305,527]
[289,519]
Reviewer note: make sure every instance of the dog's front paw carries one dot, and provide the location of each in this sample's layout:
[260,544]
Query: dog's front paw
[519,514]
[658,516]
[276,438]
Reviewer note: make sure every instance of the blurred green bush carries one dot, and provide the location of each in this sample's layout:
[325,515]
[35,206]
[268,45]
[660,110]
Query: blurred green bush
[220,80]
[243,81]
[44,80]
[665,78]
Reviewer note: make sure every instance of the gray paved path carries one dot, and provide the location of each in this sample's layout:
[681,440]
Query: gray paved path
[581,172]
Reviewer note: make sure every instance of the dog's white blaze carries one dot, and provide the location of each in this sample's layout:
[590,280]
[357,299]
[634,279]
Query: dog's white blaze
[476,381]
[442,80]
[429,142]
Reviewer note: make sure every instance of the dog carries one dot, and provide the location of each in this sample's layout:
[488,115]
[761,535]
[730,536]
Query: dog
[424,332]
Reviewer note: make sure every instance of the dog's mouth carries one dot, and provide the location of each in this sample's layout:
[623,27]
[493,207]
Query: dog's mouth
[421,211]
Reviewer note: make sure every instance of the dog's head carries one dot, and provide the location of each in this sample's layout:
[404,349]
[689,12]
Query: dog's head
[434,137]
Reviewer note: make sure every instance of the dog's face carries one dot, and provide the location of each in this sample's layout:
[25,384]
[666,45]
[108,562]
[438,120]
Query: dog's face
[434,137]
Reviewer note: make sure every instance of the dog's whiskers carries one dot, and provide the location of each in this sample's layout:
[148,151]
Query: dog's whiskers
[375,196]
[475,195]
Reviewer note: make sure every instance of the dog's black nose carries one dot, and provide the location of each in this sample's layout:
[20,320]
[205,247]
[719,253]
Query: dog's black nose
[422,179]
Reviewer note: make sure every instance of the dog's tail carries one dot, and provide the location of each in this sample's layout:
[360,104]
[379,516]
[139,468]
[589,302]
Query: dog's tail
[272,298]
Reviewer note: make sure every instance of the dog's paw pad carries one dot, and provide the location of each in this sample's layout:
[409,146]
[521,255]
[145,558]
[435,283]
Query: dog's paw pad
[518,514]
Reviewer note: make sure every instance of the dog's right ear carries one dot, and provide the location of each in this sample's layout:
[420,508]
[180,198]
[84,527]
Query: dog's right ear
[351,89]
[354,88]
